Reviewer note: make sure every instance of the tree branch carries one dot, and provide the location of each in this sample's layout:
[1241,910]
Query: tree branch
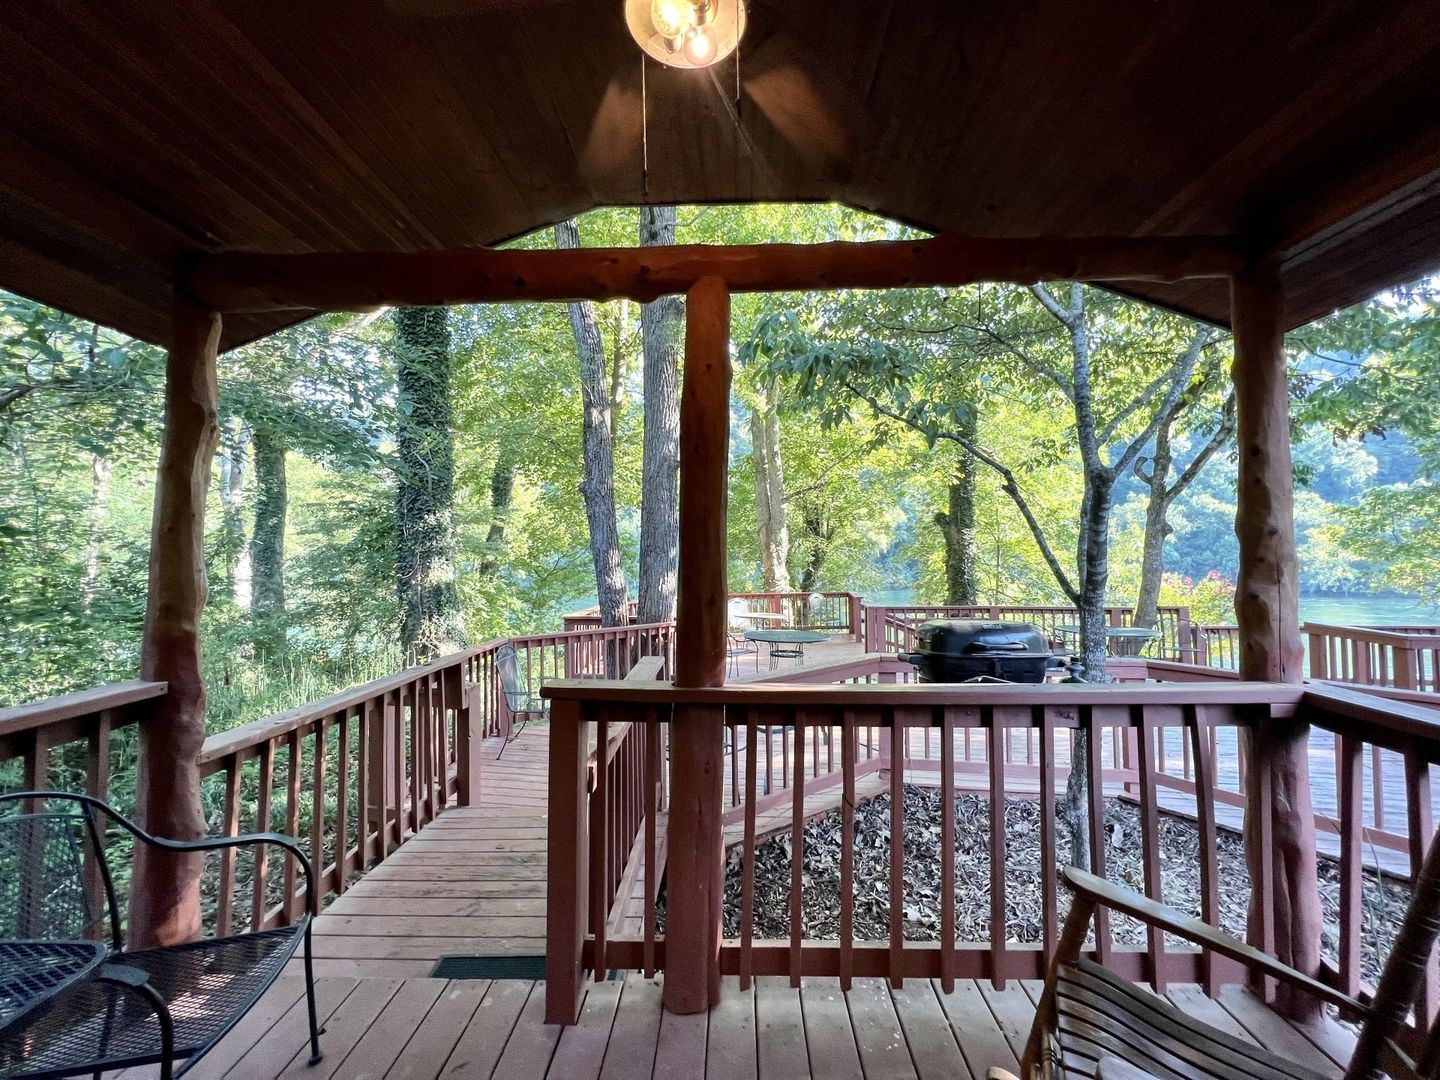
[1007,481]
[1064,316]
[1222,435]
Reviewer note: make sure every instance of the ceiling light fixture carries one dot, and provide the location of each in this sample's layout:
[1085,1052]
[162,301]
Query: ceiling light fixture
[686,33]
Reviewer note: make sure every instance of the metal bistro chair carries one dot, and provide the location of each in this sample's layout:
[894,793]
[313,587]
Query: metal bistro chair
[736,643]
[521,704]
[1090,1022]
[164,1005]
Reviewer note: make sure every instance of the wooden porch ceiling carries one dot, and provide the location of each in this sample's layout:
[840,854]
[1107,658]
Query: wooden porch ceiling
[133,137]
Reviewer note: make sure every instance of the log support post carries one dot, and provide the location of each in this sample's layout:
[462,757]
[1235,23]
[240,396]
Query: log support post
[696,856]
[1267,608]
[165,892]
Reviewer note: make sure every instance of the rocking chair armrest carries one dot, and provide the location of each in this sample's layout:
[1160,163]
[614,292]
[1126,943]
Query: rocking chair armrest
[1107,894]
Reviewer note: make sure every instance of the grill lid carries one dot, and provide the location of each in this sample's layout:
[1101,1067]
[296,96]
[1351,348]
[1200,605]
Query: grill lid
[976,637]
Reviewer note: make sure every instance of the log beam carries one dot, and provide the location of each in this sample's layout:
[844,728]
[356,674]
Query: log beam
[165,892]
[696,858]
[238,282]
[1267,607]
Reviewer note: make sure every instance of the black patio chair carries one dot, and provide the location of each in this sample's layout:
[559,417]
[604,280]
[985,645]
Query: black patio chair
[522,705]
[139,1007]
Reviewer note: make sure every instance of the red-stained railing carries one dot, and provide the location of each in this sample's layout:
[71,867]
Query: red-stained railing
[892,628]
[828,612]
[1403,657]
[837,723]
[353,775]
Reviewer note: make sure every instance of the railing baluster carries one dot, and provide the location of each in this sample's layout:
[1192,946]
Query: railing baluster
[991,719]
[747,855]
[898,735]
[1421,833]
[261,865]
[1200,735]
[797,854]
[317,808]
[1150,838]
[97,786]
[292,822]
[652,811]
[946,722]
[1377,785]
[229,826]
[1096,810]
[1349,767]
[1049,875]
[599,843]
[342,801]
[848,735]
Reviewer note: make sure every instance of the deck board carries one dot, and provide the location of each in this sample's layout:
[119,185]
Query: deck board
[420,1029]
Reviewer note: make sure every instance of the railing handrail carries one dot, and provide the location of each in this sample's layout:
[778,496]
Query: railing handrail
[1406,638]
[95,699]
[1403,721]
[560,637]
[237,739]
[903,695]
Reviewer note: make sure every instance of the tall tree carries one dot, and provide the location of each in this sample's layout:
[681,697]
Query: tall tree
[267,538]
[660,328]
[1047,345]
[425,488]
[1155,473]
[598,485]
[232,459]
[957,526]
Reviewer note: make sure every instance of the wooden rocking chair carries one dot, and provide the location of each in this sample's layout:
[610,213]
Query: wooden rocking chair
[1090,1022]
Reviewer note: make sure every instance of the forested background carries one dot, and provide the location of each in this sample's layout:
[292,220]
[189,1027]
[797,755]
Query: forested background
[392,484]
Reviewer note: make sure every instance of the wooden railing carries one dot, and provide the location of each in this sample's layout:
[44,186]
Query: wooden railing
[353,775]
[1358,722]
[1402,657]
[835,612]
[835,723]
[892,628]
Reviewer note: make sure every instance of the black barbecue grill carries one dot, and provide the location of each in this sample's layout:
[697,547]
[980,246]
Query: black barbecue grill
[962,650]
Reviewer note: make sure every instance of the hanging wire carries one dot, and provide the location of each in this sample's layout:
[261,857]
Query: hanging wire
[644,132]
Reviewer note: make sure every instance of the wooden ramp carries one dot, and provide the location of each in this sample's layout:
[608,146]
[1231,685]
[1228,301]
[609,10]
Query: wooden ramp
[425,1028]
[471,882]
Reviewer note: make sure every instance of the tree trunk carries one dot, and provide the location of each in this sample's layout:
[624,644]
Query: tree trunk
[165,888]
[502,494]
[817,534]
[1267,609]
[660,324]
[234,453]
[598,486]
[425,492]
[267,539]
[770,511]
[101,471]
[962,557]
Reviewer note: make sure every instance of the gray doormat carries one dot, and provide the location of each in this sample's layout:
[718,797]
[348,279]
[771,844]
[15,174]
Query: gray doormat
[531,968]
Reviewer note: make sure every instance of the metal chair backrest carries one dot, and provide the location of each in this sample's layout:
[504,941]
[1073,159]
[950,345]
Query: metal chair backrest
[55,883]
[507,666]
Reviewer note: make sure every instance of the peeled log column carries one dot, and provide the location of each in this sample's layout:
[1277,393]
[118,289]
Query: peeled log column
[1267,607]
[165,893]
[696,855]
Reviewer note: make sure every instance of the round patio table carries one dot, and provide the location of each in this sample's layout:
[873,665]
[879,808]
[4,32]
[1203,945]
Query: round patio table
[1119,640]
[786,644]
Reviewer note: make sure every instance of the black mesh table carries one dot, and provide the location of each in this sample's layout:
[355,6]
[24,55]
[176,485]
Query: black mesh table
[33,972]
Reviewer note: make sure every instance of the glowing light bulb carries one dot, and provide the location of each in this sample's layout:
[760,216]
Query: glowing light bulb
[699,47]
[670,17]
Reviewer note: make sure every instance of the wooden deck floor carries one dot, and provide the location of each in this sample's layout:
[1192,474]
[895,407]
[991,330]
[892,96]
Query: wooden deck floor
[424,1028]
[473,882]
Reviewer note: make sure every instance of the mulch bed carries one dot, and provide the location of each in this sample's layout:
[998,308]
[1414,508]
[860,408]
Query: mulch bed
[1385,901]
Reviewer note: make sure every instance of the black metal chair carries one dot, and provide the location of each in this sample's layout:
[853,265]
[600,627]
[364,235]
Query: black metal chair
[522,705]
[167,1005]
